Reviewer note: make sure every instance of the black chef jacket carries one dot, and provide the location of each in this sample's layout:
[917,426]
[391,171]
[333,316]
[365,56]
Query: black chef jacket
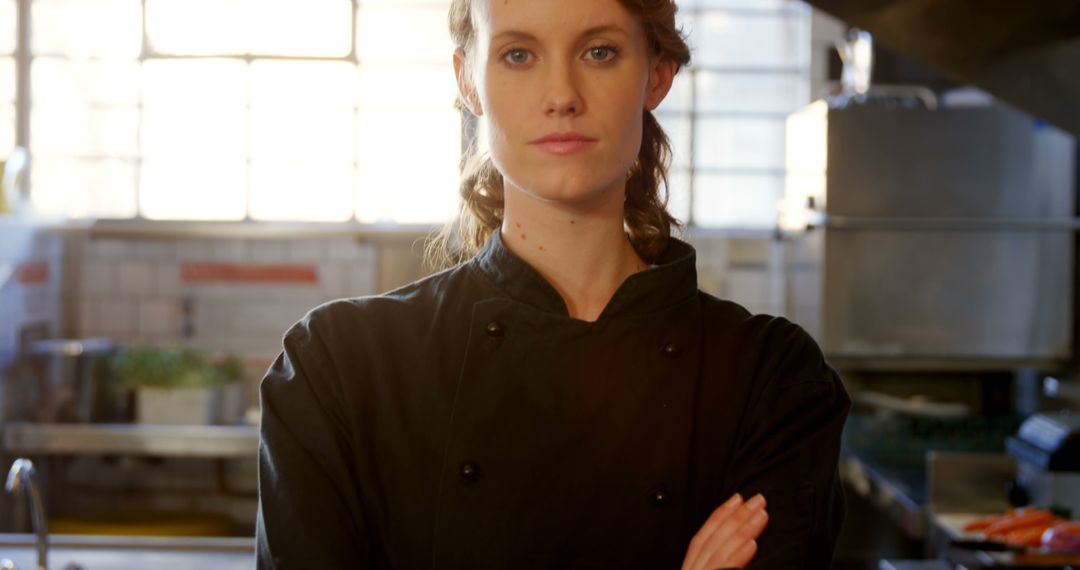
[465,421]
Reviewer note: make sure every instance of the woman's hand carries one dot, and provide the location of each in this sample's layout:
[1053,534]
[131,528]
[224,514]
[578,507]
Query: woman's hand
[728,538]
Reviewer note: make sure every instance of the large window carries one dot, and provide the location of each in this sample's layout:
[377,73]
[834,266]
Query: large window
[8,34]
[725,115]
[234,109]
[323,109]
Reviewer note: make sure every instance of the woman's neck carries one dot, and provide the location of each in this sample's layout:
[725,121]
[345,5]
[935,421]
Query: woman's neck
[581,250]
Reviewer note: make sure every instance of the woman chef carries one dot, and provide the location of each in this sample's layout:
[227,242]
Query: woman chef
[564,397]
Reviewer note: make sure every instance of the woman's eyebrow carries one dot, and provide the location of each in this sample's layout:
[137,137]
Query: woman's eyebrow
[520,35]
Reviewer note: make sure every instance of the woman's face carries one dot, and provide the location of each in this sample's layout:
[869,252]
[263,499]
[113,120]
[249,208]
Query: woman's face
[563,85]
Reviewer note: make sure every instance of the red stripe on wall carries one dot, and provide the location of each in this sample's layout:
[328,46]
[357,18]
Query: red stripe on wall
[33,273]
[240,273]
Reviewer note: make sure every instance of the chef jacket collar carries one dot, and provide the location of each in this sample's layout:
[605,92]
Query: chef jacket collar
[670,280]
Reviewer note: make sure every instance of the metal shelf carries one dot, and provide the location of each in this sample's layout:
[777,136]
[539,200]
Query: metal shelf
[239,442]
[922,224]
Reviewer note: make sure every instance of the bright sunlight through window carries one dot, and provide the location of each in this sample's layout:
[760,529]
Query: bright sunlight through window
[342,110]
[242,109]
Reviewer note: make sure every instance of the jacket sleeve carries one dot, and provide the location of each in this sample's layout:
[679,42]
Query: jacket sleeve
[309,514]
[789,452]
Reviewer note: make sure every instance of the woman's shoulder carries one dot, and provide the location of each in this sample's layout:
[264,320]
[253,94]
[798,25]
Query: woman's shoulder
[726,316]
[772,348]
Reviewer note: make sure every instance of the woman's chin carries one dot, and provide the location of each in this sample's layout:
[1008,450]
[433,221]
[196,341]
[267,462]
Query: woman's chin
[575,193]
[573,197]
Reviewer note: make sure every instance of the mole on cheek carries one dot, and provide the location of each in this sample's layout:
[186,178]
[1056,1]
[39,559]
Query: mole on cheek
[541,248]
[523,236]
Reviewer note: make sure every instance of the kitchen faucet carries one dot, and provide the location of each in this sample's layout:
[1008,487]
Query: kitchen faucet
[21,478]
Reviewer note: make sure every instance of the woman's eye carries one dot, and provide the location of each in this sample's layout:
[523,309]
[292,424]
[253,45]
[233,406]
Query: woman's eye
[517,56]
[602,53]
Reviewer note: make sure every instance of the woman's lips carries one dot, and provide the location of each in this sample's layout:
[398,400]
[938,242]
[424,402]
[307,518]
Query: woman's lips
[562,144]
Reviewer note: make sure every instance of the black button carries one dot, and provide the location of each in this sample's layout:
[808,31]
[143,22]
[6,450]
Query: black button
[495,329]
[660,498]
[672,350]
[470,472]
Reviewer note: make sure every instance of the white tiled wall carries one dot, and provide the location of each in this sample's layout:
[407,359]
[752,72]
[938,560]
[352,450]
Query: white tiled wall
[133,290]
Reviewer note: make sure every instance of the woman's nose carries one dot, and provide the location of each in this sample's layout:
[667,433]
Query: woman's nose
[563,98]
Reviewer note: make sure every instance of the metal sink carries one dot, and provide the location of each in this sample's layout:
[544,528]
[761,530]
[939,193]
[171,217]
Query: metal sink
[68,552]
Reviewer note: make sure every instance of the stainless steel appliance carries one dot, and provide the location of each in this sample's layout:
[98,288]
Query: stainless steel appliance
[931,239]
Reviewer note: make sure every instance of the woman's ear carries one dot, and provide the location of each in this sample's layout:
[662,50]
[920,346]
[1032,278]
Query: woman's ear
[465,85]
[661,75]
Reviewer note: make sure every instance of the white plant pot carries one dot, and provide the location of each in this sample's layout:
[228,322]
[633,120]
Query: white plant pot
[175,406]
[229,404]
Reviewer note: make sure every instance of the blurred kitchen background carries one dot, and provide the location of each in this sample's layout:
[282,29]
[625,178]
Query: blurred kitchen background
[185,179]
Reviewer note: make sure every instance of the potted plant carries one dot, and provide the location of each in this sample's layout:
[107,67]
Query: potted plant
[230,390]
[175,386]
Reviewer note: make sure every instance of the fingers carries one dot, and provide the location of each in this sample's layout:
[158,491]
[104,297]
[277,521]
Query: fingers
[743,555]
[734,539]
[743,518]
[714,521]
[728,537]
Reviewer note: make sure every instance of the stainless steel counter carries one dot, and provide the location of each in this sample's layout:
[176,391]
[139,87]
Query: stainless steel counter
[239,442]
[897,490]
[132,552]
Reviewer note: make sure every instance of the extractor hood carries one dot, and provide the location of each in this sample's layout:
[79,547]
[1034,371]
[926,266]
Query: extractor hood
[1024,52]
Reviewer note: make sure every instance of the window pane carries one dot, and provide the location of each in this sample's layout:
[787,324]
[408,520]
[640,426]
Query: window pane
[294,85]
[218,82]
[7,80]
[269,27]
[195,107]
[302,109]
[202,130]
[87,28]
[197,27]
[739,143]
[194,140]
[294,27]
[7,130]
[741,40]
[762,93]
[78,130]
[79,188]
[677,128]
[403,177]
[195,186]
[326,133]
[679,194]
[735,200]
[403,87]
[403,35]
[9,26]
[62,81]
[678,99]
[312,189]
